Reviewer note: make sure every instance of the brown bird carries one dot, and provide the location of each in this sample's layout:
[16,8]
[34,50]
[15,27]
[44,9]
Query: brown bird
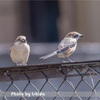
[19,51]
[66,47]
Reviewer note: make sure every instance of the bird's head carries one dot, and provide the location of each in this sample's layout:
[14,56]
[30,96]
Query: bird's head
[21,39]
[74,35]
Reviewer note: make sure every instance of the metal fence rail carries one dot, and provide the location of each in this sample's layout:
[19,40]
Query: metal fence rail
[61,81]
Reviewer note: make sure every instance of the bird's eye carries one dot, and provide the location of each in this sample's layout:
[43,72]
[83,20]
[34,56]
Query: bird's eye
[75,36]
[23,40]
[18,39]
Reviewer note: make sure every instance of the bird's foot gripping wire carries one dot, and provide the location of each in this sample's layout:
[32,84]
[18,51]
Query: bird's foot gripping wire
[70,60]
[64,61]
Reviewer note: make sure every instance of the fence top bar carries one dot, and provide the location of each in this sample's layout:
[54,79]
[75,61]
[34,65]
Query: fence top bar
[51,70]
[53,65]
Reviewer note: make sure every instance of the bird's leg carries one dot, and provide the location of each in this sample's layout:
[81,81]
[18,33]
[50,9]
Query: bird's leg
[63,61]
[24,64]
[70,60]
[19,64]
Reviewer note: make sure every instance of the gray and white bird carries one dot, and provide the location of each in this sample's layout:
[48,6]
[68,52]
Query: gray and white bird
[19,51]
[66,47]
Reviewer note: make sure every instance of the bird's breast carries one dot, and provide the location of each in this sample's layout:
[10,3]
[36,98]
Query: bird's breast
[67,53]
[20,52]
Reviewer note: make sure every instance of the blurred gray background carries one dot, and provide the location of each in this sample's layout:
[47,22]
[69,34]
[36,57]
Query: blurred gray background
[45,23]
[49,21]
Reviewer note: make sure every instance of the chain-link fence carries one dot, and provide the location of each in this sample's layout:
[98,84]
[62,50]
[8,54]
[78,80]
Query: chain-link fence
[62,81]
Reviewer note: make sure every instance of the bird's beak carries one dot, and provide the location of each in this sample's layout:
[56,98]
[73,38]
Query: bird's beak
[81,35]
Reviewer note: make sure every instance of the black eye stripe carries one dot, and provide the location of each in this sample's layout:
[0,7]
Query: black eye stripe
[23,39]
[75,36]
[18,39]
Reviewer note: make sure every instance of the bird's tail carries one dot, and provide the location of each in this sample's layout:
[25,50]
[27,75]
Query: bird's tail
[49,55]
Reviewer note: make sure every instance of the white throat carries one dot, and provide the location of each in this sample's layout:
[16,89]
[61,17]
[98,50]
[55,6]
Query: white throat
[17,43]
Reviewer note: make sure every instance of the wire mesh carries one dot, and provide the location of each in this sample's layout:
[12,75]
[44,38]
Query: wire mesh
[61,81]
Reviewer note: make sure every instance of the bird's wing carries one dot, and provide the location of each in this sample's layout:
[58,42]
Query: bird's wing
[66,44]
